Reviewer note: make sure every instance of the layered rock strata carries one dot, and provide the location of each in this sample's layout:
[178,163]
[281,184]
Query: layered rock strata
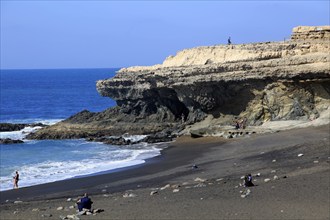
[261,82]
[311,33]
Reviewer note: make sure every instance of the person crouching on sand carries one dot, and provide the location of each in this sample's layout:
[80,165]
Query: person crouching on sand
[16,179]
[84,203]
[248,181]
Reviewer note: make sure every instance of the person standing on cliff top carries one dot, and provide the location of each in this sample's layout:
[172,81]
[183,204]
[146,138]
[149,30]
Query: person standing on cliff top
[229,41]
[16,179]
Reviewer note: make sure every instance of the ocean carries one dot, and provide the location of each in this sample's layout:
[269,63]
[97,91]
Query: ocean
[49,96]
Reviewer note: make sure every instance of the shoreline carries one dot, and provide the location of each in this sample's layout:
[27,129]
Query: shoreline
[300,190]
[59,188]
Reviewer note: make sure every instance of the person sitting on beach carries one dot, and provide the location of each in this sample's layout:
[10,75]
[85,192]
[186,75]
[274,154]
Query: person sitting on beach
[84,203]
[248,181]
[16,179]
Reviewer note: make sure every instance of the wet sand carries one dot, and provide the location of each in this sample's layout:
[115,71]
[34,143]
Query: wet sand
[300,189]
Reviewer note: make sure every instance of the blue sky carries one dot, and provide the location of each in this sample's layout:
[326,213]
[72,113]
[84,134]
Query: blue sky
[102,34]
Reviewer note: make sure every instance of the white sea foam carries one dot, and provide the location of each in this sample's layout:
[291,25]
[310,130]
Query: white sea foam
[21,134]
[134,138]
[50,171]
[18,135]
[100,158]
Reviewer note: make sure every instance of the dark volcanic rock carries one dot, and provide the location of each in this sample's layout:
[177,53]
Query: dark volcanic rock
[10,141]
[159,137]
[153,138]
[111,140]
[16,127]
[11,127]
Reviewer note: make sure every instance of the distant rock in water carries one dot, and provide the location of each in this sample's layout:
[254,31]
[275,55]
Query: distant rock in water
[10,141]
[17,127]
[11,127]
[213,85]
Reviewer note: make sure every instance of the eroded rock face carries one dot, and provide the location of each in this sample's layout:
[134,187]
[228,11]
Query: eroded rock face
[260,81]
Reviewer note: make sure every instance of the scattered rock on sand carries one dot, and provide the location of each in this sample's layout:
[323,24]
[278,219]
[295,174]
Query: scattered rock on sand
[165,187]
[199,180]
[83,212]
[74,217]
[273,161]
[69,200]
[275,177]
[315,161]
[97,211]
[46,215]
[200,185]
[63,217]
[59,208]
[300,155]
[16,202]
[266,180]
[153,192]
[176,190]
[129,195]
[175,186]
[245,193]
[194,166]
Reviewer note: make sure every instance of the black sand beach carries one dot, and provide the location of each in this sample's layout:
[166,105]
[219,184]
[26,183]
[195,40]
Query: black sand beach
[145,175]
[298,186]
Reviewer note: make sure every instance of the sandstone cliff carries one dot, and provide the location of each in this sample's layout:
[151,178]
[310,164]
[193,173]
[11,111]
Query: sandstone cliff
[262,82]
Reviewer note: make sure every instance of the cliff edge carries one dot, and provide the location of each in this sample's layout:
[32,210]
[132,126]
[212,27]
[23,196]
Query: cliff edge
[261,82]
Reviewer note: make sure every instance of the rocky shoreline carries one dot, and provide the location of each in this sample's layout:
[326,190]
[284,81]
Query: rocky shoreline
[11,127]
[4,127]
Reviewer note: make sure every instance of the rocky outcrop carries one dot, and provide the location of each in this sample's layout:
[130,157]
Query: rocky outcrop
[260,82]
[16,127]
[10,141]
